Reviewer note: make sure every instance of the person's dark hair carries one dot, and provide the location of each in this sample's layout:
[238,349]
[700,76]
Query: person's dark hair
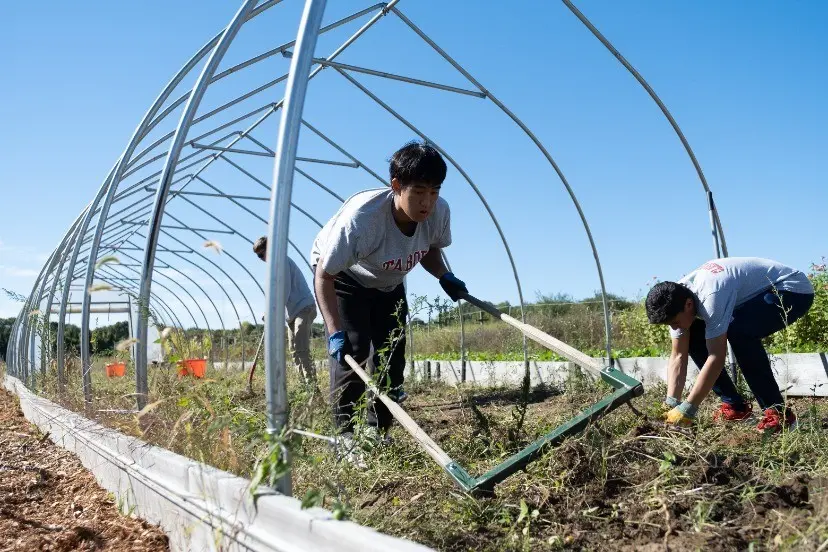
[260,247]
[665,300]
[418,163]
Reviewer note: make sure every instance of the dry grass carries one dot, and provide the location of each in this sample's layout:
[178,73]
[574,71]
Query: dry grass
[627,483]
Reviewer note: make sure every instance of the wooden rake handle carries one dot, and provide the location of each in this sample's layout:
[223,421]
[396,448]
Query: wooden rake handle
[556,345]
[432,448]
[253,368]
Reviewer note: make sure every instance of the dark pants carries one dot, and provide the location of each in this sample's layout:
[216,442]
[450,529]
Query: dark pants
[374,321]
[752,321]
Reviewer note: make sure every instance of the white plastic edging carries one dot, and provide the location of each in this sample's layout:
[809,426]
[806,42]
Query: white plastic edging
[800,374]
[199,507]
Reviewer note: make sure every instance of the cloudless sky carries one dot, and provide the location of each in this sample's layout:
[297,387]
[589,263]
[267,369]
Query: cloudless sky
[746,81]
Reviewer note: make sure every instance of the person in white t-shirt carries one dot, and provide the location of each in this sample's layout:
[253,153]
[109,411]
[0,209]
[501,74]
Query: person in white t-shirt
[360,259]
[300,312]
[740,300]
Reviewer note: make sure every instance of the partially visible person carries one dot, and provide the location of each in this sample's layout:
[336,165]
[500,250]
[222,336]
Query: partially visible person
[740,300]
[300,312]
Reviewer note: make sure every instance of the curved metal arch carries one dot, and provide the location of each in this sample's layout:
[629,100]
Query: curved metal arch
[343,152]
[245,64]
[185,290]
[41,279]
[279,227]
[150,118]
[86,365]
[51,297]
[119,277]
[254,214]
[29,329]
[196,284]
[221,287]
[143,129]
[73,234]
[278,104]
[164,184]
[204,237]
[468,179]
[59,254]
[716,222]
[162,305]
[180,137]
[545,152]
[70,270]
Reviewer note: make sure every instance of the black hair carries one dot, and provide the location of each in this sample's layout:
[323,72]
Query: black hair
[665,300]
[260,246]
[417,163]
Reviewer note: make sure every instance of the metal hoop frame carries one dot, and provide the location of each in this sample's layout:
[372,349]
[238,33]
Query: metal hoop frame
[154,180]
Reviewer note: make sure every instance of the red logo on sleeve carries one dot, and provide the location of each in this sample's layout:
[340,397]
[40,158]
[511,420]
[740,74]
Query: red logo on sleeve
[713,267]
[410,262]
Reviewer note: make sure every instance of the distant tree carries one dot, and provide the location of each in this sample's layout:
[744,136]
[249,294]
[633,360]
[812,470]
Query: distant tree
[617,302]
[105,338]
[5,332]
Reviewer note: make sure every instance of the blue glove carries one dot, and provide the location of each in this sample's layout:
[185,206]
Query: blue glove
[452,285]
[672,402]
[339,346]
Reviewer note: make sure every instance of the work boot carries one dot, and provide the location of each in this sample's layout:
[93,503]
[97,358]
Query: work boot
[773,420]
[374,436]
[348,449]
[733,412]
[397,395]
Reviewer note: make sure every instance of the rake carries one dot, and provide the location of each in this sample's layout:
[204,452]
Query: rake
[625,389]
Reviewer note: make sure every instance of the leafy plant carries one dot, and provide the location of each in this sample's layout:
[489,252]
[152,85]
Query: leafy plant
[179,345]
[809,333]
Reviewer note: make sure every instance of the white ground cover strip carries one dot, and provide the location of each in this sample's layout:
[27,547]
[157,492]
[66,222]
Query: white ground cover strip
[199,507]
[800,374]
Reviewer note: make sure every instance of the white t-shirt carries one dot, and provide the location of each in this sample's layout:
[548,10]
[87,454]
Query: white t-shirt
[299,296]
[364,241]
[721,285]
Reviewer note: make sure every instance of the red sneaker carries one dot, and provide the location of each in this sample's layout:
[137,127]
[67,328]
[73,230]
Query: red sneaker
[773,421]
[730,413]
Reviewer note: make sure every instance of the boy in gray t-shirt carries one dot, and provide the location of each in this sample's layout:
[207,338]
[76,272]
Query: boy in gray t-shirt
[300,312]
[361,257]
[740,300]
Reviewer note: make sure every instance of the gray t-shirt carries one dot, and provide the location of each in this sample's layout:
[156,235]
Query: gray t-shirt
[299,296]
[721,285]
[364,241]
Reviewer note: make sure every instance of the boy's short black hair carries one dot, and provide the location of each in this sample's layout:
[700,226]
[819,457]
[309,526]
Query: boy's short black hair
[418,163]
[260,246]
[665,300]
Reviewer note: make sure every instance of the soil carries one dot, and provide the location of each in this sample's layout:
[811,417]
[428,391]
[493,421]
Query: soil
[49,501]
[652,488]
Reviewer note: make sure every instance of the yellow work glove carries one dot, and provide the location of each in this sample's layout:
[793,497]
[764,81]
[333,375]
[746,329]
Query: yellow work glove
[668,404]
[683,415]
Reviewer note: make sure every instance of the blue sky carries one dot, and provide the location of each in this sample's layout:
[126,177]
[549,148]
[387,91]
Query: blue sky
[746,82]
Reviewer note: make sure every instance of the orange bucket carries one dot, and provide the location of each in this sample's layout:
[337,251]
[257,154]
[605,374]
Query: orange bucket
[115,370]
[195,367]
